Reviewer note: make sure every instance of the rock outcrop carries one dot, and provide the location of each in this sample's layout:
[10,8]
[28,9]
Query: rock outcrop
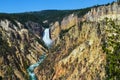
[78,52]
[19,48]
[77,56]
[99,13]
[55,31]
[66,23]
[35,28]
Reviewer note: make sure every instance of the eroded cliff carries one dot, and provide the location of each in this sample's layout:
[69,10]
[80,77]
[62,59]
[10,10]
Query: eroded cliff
[78,50]
[77,53]
[19,48]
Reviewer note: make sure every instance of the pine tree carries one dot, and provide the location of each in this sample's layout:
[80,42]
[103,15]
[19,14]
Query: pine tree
[118,1]
[112,49]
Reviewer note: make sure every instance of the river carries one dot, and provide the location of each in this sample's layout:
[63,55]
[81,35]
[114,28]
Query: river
[31,68]
[48,42]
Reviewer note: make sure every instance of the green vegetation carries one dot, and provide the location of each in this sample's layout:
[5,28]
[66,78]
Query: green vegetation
[4,16]
[49,15]
[40,16]
[0,77]
[118,1]
[9,70]
[112,49]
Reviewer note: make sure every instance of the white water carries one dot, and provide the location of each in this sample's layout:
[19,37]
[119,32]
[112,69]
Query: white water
[30,70]
[48,42]
[46,37]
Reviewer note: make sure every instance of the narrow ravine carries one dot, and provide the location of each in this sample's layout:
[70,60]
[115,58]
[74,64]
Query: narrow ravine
[48,42]
[30,70]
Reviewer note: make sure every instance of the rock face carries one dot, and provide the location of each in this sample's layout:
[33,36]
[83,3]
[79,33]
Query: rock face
[19,48]
[78,56]
[77,52]
[35,28]
[66,23]
[99,13]
[55,31]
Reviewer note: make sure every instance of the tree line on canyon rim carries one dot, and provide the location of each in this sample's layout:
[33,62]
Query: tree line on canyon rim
[49,15]
[113,57]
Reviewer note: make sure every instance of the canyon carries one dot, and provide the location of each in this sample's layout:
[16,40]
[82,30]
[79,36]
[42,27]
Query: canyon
[70,49]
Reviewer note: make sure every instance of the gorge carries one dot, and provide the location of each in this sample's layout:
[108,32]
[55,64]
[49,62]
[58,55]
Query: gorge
[48,42]
[30,70]
[78,45]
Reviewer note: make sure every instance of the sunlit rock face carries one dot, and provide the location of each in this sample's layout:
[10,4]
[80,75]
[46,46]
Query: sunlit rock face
[79,54]
[68,21]
[76,54]
[55,30]
[19,48]
[99,13]
[46,37]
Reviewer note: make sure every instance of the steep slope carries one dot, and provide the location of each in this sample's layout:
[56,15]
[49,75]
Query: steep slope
[78,55]
[45,17]
[78,52]
[19,47]
[82,48]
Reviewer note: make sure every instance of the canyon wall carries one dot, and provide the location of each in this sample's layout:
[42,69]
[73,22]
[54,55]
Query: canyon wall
[78,50]
[76,53]
[99,13]
[19,48]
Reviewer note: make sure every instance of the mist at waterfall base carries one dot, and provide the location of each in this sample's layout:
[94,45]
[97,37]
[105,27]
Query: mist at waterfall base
[48,42]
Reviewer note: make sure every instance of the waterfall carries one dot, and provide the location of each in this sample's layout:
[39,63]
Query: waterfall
[46,37]
[48,42]
[31,68]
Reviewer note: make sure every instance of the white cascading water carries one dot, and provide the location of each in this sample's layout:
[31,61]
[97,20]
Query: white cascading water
[46,38]
[48,42]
